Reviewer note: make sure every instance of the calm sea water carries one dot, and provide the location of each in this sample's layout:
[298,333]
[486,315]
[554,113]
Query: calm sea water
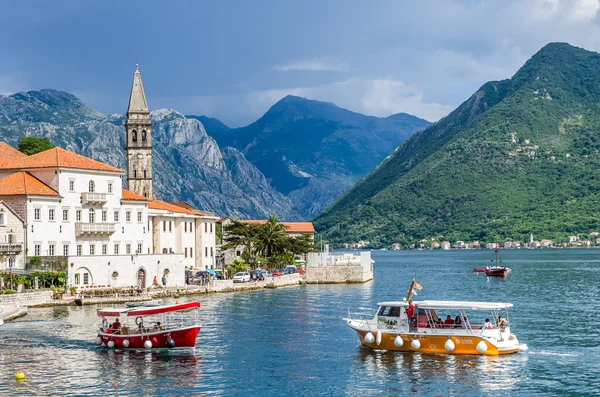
[291,341]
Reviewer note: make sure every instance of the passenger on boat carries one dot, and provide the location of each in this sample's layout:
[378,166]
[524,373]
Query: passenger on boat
[116,326]
[439,323]
[158,327]
[465,324]
[448,323]
[457,322]
[502,322]
[487,324]
[410,312]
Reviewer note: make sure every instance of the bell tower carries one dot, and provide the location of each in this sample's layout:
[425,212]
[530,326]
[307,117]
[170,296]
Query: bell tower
[138,146]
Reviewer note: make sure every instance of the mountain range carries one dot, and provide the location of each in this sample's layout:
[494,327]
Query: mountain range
[313,151]
[519,156]
[190,166]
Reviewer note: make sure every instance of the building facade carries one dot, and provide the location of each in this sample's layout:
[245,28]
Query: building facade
[69,209]
[12,239]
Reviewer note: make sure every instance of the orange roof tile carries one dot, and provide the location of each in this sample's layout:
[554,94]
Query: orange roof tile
[23,183]
[131,196]
[161,205]
[57,157]
[291,227]
[9,152]
[189,207]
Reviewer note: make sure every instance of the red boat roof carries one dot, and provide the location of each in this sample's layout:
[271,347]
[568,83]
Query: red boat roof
[147,311]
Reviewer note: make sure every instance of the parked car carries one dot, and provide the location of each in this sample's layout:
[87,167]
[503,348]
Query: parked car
[256,275]
[265,274]
[291,269]
[277,272]
[241,277]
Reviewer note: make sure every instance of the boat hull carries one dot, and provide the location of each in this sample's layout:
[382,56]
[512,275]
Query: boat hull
[436,343]
[502,272]
[183,338]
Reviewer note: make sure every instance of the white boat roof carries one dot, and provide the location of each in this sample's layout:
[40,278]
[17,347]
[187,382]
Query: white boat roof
[464,305]
[393,303]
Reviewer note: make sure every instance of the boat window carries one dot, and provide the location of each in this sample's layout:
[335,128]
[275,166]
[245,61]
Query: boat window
[395,312]
[383,310]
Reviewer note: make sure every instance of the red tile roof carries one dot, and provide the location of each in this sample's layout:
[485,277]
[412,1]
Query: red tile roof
[161,205]
[291,227]
[57,157]
[131,196]
[189,207]
[23,183]
[9,152]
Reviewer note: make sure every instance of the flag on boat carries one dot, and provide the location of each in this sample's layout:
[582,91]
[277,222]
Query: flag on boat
[417,286]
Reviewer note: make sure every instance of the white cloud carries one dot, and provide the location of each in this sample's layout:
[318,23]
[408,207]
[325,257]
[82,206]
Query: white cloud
[321,65]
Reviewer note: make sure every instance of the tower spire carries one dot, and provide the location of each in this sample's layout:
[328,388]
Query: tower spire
[137,98]
[138,146]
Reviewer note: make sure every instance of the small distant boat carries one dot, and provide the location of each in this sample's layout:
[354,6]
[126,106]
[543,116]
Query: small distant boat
[144,303]
[496,271]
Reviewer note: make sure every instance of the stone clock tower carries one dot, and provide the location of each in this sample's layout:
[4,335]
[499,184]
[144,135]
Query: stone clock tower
[138,146]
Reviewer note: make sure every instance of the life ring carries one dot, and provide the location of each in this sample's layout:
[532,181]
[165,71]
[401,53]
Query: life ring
[104,323]
[403,322]
[139,321]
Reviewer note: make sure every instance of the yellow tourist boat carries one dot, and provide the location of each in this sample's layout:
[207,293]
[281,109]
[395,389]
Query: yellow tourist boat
[463,331]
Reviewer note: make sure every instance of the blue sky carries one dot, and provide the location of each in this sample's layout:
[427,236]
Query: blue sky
[234,59]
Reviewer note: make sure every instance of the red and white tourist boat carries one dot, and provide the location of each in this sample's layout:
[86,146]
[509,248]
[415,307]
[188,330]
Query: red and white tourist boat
[171,326]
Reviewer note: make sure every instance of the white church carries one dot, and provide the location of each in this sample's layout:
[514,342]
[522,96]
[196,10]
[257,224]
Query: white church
[60,205]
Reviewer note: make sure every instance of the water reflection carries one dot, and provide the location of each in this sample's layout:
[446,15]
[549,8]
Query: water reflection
[468,374]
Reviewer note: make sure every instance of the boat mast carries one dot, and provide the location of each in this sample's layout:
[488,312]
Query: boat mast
[410,290]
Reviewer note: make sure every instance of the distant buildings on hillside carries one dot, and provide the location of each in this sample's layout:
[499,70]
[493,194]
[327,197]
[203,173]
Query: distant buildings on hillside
[591,240]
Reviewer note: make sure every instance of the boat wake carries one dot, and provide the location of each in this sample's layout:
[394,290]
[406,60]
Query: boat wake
[523,347]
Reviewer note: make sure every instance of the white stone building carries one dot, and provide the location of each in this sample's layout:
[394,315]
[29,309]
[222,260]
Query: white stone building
[74,211]
[12,238]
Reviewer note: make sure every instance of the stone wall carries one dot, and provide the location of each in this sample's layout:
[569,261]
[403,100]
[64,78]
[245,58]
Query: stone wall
[26,299]
[338,274]
[281,281]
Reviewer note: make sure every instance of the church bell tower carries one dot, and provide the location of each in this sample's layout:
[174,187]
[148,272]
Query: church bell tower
[138,146]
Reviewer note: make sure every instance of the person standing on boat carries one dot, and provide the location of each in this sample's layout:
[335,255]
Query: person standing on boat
[410,312]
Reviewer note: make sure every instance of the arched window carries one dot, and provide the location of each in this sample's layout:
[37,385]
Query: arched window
[134,136]
[92,215]
[165,251]
[92,187]
[143,135]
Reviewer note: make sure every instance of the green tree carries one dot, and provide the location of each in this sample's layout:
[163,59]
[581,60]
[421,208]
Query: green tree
[302,244]
[272,238]
[33,144]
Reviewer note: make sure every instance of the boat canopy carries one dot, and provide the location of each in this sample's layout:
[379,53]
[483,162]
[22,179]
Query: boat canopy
[150,311]
[393,303]
[112,312]
[147,311]
[462,305]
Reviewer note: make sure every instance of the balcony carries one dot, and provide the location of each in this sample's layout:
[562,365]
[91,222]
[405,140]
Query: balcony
[11,249]
[93,198]
[94,228]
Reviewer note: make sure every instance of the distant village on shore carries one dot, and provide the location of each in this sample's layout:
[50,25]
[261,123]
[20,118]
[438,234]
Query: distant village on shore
[592,240]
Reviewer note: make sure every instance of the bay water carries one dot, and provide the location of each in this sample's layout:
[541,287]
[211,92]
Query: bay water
[292,341]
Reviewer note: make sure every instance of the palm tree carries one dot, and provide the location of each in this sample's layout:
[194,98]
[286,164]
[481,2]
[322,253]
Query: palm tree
[272,238]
